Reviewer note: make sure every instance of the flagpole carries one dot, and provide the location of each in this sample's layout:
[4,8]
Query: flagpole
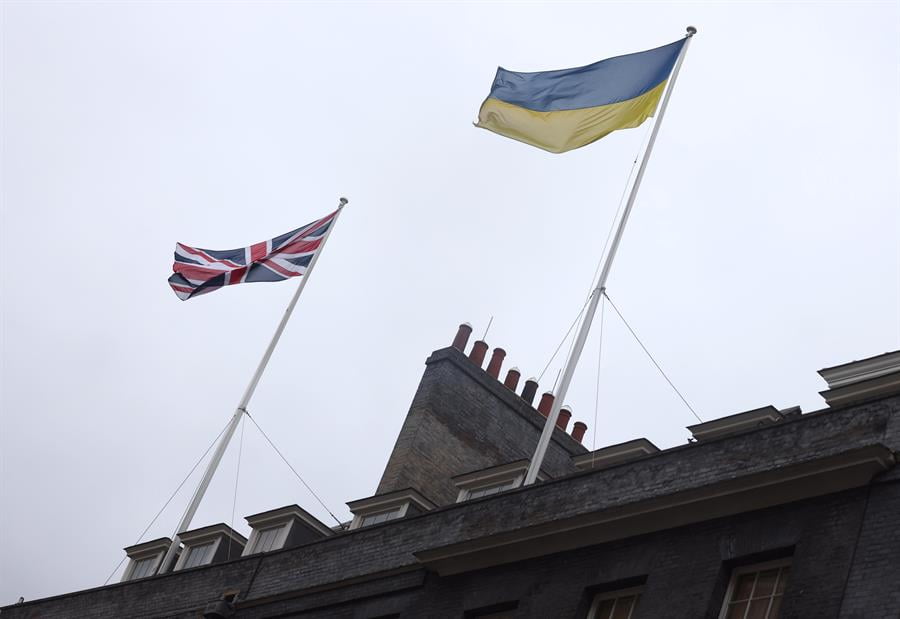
[560,395]
[169,557]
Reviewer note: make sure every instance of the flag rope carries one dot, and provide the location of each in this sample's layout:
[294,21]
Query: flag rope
[571,363]
[612,226]
[293,470]
[162,509]
[563,340]
[638,340]
[237,476]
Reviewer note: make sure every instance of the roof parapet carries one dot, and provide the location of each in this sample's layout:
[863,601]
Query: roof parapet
[861,380]
[614,454]
[739,422]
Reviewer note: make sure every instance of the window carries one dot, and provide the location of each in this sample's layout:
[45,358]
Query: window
[198,555]
[619,604]
[142,568]
[756,591]
[477,493]
[380,517]
[266,539]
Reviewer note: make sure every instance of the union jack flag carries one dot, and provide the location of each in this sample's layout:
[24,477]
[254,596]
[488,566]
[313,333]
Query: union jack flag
[198,271]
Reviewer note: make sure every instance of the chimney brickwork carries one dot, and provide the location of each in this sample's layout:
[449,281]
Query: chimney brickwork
[461,420]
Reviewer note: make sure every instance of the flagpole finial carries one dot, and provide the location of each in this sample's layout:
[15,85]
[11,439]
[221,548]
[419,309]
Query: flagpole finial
[343,202]
[691,31]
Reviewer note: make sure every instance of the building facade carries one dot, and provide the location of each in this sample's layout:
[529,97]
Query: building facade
[767,513]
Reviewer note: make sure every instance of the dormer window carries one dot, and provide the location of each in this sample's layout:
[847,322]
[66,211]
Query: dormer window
[488,482]
[385,507]
[143,567]
[145,558]
[391,514]
[267,539]
[212,544]
[198,555]
[285,527]
[493,488]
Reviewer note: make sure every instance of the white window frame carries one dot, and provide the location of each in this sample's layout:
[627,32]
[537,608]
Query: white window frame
[400,511]
[615,595]
[280,538]
[512,483]
[737,572]
[509,475]
[392,502]
[134,560]
[182,559]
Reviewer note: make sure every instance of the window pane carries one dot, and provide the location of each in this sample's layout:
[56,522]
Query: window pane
[477,493]
[197,555]
[604,611]
[736,611]
[744,587]
[765,584]
[266,539]
[776,606]
[379,518]
[758,609]
[623,607]
[782,579]
[142,567]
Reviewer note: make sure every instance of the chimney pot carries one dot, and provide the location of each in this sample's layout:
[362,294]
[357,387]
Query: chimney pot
[512,379]
[530,389]
[462,337]
[497,357]
[546,403]
[565,413]
[578,430]
[479,349]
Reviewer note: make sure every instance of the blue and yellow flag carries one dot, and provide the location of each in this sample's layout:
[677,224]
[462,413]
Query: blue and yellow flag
[566,109]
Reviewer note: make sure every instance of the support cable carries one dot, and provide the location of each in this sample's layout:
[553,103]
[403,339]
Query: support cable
[294,471]
[162,509]
[237,476]
[638,340]
[612,227]
[563,340]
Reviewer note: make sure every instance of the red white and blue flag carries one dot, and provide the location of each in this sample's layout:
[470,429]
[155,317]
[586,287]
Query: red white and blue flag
[198,271]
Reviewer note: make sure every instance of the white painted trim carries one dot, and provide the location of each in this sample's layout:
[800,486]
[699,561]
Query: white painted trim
[134,559]
[738,422]
[284,514]
[511,482]
[614,595]
[400,499]
[280,539]
[749,569]
[216,542]
[401,513]
[858,371]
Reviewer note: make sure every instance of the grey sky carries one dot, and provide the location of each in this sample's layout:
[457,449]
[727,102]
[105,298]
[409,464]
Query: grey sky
[764,244]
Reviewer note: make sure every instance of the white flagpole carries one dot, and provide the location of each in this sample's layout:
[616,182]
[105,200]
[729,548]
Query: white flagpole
[560,395]
[166,563]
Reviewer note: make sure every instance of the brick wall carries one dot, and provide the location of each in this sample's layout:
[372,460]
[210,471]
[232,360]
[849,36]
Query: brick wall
[462,420]
[845,544]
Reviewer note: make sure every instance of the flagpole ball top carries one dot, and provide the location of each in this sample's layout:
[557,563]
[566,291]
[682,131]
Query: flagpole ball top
[691,31]
[343,201]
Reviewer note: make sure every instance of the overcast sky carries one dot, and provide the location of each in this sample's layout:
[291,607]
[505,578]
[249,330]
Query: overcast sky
[763,246]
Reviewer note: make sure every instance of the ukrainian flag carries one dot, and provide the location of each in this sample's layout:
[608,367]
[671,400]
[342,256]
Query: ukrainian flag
[566,109]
